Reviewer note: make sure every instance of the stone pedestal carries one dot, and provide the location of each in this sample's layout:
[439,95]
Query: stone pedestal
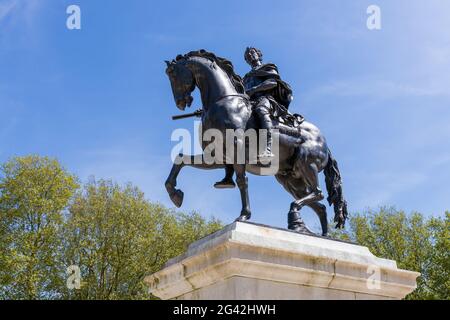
[254,262]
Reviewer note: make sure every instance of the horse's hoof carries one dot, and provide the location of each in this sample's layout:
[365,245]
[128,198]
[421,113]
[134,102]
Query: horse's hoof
[243,217]
[177,198]
[301,228]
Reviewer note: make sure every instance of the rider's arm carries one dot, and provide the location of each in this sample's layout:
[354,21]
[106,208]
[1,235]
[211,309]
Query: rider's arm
[267,85]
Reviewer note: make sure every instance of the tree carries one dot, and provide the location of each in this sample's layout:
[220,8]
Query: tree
[438,269]
[412,241]
[116,237]
[33,193]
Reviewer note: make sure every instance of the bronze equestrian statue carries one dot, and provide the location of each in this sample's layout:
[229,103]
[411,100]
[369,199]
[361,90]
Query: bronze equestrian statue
[228,103]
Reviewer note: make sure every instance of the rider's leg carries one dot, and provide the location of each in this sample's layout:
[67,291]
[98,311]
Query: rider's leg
[263,112]
[227,182]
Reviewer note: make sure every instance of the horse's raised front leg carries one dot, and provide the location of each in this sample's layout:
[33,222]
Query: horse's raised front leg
[181,161]
[242,182]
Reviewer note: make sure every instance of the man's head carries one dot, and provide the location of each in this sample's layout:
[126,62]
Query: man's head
[253,56]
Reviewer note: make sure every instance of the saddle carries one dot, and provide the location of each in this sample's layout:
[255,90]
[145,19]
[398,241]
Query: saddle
[291,120]
[282,115]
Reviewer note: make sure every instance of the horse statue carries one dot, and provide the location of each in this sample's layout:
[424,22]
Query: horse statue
[302,153]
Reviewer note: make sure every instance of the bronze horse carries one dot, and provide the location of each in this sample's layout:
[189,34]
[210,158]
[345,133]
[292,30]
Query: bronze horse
[301,155]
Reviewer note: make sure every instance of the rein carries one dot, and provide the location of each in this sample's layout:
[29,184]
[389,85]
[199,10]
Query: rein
[242,95]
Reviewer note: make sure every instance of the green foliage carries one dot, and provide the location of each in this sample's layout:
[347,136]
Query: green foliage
[112,233]
[412,241]
[33,194]
[437,269]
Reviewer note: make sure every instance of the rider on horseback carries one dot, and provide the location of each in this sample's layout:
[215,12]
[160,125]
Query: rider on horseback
[270,97]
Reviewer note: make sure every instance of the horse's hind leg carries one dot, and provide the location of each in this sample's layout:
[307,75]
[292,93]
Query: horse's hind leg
[294,221]
[297,188]
[181,161]
[321,211]
[309,173]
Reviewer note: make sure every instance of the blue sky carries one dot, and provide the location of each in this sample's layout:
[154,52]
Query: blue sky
[98,98]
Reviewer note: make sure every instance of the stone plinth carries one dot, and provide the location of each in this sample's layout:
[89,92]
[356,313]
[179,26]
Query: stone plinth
[254,262]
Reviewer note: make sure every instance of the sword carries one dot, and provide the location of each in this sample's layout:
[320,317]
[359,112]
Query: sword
[197,113]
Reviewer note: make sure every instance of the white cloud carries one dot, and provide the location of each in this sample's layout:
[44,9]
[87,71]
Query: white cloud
[379,89]
[383,187]
[6,7]
[19,12]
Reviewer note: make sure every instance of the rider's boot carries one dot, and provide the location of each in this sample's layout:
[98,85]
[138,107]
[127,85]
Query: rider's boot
[227,182]
[266,123]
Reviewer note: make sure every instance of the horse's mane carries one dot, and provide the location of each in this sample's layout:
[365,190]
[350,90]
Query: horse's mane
[225,64]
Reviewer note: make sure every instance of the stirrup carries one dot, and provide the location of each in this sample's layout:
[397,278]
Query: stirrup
[266,155]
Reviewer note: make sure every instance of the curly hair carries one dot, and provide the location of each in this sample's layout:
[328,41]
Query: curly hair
[247,52]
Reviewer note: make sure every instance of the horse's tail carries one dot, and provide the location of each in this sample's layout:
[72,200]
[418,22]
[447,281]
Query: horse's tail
[334,188]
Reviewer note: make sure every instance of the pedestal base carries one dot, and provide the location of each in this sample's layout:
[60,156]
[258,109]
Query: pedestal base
[246,261]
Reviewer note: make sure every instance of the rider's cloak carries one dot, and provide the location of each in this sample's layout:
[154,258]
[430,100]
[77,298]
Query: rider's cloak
[283,93]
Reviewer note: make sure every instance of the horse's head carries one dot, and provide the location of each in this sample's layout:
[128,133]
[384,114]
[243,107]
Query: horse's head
[182,82]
